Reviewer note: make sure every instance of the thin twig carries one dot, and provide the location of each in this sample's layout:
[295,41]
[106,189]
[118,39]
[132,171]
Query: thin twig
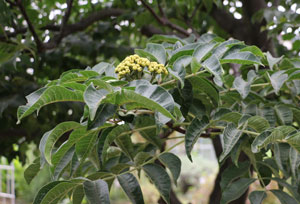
[30,25]
[165,21]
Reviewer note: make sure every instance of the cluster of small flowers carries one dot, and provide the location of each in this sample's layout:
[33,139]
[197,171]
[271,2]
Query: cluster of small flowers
[136,63]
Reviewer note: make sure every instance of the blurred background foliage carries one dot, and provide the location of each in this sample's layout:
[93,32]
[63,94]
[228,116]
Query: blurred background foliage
[41,39]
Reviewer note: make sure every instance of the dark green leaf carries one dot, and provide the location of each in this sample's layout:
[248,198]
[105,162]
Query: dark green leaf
[284,197]
[131,187]
[236,189]
[96,191]
[32,170]
[160,178]
[257,197]
[173,163]
[195,129]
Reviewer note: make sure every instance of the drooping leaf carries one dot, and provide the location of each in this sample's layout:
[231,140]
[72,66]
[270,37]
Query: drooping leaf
[93,98]
[32,170]
[85,145]
[152,97]
[149,134]
[45,96]
[173,163]
[272,60]
[78,195]
[119,131]
[230,137]
[284,114]
[104,112]
[212,64]
[74,138]
[44,190]
[193,133]
[284,197]
[257,197]
[59,191]
[96,191]
[131,187]
[51,137]
[236,189]
[154,52]
[160,178]
[65,160]
[178,70]
[242,86]
[277,80]
[232,172]
[294,157]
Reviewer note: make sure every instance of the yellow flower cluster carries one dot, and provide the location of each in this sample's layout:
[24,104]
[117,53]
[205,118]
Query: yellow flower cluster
[134,64]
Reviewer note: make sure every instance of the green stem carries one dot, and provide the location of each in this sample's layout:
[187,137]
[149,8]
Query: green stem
[253,85]
[186,77]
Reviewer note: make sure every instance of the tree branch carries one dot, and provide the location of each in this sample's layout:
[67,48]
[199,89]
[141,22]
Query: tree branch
[30,26]
[164,21]
[65,18]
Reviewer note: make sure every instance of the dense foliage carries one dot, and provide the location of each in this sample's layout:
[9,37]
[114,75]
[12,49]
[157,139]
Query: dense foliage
[39,40]
[257,114]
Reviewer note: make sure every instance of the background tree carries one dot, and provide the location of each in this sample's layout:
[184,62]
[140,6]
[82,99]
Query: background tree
[40,40]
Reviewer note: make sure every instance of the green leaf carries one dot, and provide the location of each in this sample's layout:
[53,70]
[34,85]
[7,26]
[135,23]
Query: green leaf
[32,170]
[213,65]
[85,145]
[268,137]
[230,137]
[101,84]
[152,97]
[105,111]
[233,172]
[78,195]
[277,80]
[173,163]
[203,50]
[186,50]
[242,86]
[165,38]
[160,178]
[149,134]
[241,58]
[294,141]
[96,191]
[156,50]
[45,96]
[272,60]
[121,130]
[254,49]
[236,189]
[74,138]
[284,114]
[224,46]
[294,158]
[55,194]
[178,71]
[51,137]
[195,66]
[284,197]
[65,160]
[44,190]
[258,123]
[131,187]
[193,132]
[257,197]
[93,98]
[201,84]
